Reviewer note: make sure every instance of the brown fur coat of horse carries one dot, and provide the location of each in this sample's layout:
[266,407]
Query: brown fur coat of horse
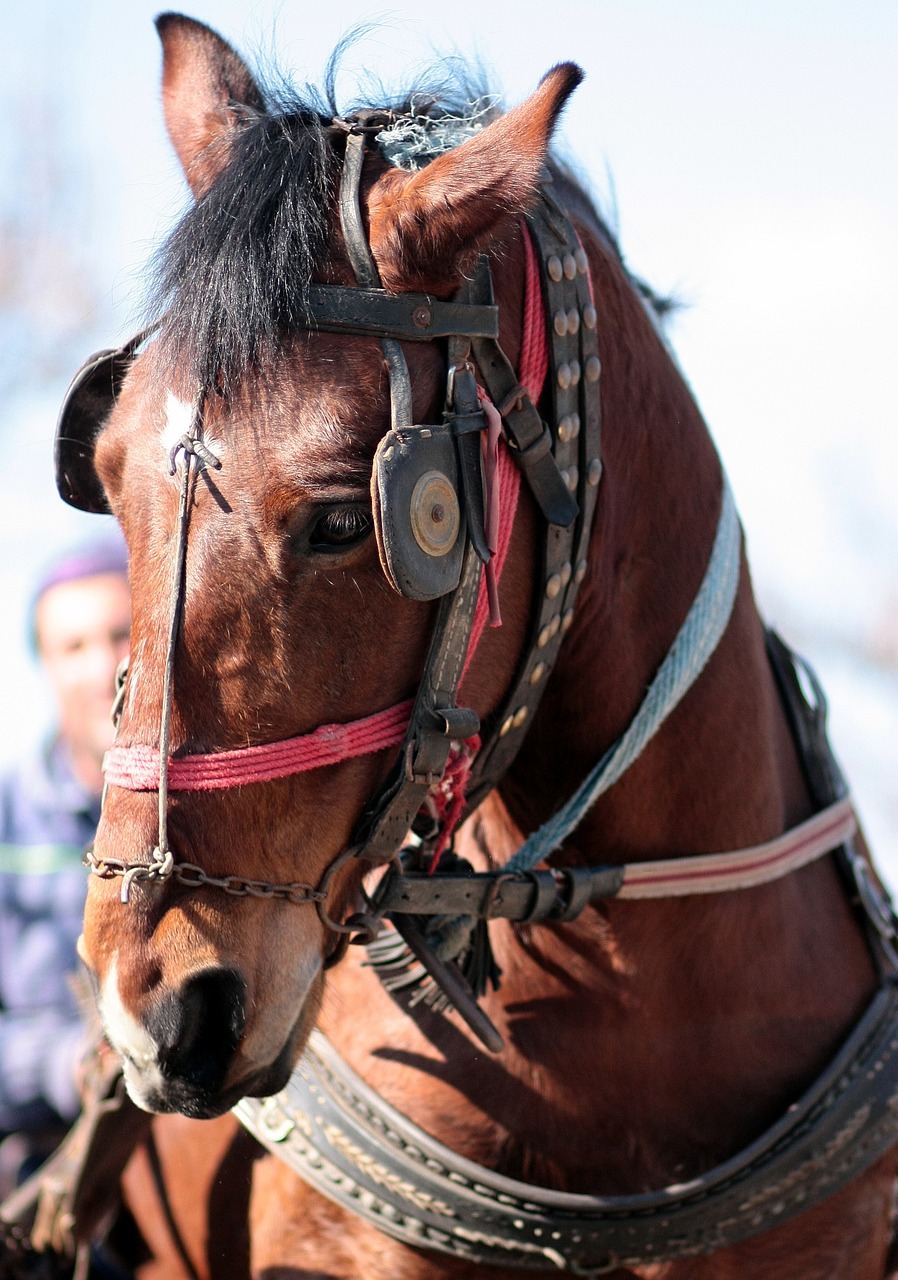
[646,1041]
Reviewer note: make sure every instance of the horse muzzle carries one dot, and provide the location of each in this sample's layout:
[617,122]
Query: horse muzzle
[179,1053]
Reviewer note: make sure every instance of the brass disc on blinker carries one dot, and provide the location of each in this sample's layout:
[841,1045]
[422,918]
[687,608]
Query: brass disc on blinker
[435,514]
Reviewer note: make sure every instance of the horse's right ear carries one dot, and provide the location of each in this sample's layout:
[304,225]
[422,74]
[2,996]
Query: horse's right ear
[205,84]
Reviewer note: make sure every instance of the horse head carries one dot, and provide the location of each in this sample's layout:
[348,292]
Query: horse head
[238,458]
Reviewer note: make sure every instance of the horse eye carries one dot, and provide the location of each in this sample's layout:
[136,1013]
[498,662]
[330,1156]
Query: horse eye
[340,527]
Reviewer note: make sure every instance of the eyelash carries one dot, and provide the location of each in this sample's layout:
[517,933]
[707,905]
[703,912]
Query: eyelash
[339,528]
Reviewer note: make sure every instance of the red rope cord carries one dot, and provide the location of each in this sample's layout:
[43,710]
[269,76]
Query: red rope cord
[137,768]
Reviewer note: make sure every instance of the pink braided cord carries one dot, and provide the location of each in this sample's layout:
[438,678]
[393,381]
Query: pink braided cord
[137,768]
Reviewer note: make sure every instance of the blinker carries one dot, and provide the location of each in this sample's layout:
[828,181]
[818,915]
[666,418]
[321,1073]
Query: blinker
[418,519]
[86,406]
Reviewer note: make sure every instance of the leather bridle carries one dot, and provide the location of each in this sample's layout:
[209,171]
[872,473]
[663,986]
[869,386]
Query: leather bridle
[561,463]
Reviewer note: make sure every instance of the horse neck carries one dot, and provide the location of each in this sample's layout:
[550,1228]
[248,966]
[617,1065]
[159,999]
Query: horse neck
[720,774]
[655,524]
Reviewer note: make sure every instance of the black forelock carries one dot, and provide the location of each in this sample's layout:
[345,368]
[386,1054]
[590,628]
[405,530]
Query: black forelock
[232,277]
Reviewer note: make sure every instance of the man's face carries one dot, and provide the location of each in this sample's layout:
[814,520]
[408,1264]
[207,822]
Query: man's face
[82,629]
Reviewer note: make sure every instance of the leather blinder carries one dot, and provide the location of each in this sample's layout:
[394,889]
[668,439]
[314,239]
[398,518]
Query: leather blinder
[87,404]
[419,520]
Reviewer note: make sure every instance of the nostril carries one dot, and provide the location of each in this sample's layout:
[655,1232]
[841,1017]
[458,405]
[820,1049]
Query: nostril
[199,1029]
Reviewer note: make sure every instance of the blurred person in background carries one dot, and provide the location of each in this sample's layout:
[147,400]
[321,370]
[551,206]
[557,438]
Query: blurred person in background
[49,809]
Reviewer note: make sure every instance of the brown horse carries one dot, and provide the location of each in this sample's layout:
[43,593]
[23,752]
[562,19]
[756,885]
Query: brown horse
[645,1042]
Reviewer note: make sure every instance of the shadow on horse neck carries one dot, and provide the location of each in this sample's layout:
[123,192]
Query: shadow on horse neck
[645,1042]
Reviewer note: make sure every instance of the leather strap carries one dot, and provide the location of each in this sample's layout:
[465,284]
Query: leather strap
[413,317]
[357,1150]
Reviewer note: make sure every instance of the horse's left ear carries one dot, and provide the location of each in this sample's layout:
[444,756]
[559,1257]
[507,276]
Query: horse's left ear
[424,224]
[207,89]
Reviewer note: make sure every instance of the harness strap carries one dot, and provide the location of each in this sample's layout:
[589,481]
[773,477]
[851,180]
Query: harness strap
[687,657]
[348,1143]
[541,895]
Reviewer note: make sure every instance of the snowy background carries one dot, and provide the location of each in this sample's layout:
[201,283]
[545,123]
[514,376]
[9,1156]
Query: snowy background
[745,152]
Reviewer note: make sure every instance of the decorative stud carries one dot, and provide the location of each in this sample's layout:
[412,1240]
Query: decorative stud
[435,514]
[564,375]
[594,474]
[553,586]
[544,636]
[507,726]
[581,261]
[554,268]
[559,322]
[575,372]
[566,429]
[554,627]
[589,317]
[593,369]
[565,573]
[575,425]
[573,321]
[580,572]
[571,478]
[537,673]
[569,266]
[566,619]
[519,717]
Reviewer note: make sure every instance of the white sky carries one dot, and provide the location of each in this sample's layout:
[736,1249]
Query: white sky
[753,166]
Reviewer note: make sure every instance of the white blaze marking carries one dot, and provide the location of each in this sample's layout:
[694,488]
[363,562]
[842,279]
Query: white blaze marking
[178,421]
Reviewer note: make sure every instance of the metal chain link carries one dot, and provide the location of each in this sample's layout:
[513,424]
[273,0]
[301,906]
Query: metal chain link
[194,877]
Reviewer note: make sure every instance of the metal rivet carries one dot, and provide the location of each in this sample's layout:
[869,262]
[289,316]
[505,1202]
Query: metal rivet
[519,717]
[575,372]
[593,369]
[581,261]
[575,425]
[554,627]
[573,322]
[564,376]
[507,726]
[435,514]
[594,474]
[589,317]
[553,586]
[580,572]
[566,572]
[554,268]
[569,266]
[537,673]
[543,638]
[566,621]
[572,475]
[421,317]
[566,429]
[559,320]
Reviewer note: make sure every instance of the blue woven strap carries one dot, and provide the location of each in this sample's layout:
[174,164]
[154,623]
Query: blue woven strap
[695,642]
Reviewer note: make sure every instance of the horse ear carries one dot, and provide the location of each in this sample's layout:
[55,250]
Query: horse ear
[206,90]
[423,225]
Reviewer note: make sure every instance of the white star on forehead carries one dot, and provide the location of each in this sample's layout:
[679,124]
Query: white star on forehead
[179,416]
[178,421]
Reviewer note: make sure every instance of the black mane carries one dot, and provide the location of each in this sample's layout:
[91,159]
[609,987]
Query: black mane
[232,277]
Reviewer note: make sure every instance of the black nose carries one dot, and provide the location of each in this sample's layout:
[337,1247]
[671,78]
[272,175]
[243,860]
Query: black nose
[198,1030]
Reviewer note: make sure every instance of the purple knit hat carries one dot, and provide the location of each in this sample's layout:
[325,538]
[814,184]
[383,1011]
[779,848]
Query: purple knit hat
[102,555]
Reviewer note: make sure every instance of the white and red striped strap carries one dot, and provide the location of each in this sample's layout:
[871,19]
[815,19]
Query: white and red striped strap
[742,868]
